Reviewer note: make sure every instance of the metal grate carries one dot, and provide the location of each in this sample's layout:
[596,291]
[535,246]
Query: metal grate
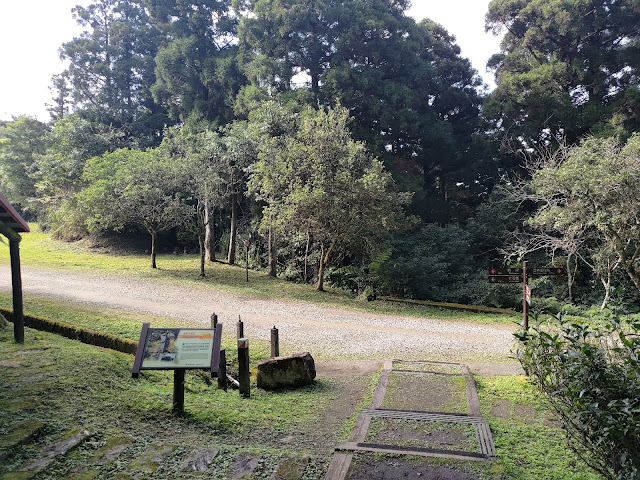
[481,425]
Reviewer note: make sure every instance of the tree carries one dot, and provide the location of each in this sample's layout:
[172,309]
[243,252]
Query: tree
[284,39]
[414,100]
[197,73]
[61,97]
[70,144]
[112,68]
[240,152]
[133,187]
[203,169]
[22,141]
[567,68]
[592,192]
[325,183]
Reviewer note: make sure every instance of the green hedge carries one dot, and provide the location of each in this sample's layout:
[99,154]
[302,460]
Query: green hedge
[91,337]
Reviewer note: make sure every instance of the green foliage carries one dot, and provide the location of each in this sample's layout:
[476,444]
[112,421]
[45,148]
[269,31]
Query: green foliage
[589,193]
[567,68]
[133,187]
[318,180]
[111,69]
[591,377]
[431,264]
[22,141]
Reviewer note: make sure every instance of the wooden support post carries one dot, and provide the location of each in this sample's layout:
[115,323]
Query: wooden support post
[16,281]
[243,367]
[240,328]
[214,321]
[525,305]
[222,371]
[178,391]
[275,342]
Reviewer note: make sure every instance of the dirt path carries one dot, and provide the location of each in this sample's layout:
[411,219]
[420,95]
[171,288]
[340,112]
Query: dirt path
[326,332]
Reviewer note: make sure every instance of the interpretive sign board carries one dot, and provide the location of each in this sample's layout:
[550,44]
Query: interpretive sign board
[178,348]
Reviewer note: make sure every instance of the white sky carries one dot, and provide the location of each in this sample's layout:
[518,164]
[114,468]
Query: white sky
[32,31]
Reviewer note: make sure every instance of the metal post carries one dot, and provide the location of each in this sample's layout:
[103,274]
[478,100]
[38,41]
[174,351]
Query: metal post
[275,342]
[214,321]
[243,367]
[240,328]
[525,306]
[178,391]
[16,281]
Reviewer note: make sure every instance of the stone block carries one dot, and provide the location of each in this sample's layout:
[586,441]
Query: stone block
[292,371]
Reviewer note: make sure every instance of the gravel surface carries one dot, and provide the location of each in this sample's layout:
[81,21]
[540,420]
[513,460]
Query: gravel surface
[325,331]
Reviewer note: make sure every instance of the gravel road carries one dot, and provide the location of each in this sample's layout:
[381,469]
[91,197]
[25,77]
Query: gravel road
[326,332]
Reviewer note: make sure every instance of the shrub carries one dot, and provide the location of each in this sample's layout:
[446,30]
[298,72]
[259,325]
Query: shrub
[591,376]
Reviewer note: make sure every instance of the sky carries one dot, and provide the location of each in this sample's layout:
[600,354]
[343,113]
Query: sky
[32,31]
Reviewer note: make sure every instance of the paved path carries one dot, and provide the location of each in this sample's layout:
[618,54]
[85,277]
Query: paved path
[325,331]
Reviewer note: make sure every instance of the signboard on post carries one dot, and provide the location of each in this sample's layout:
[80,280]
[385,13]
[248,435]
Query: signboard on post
[178,348]
[527,294]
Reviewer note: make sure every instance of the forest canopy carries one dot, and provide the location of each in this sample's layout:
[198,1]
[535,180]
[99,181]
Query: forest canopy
[342,141]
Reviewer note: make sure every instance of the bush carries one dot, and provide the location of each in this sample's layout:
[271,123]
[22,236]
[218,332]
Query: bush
[591,377]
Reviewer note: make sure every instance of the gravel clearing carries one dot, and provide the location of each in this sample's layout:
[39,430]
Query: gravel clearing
[326,332]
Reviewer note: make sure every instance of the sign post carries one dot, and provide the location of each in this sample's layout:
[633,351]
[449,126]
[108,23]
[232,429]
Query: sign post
[178,349]
[515,275]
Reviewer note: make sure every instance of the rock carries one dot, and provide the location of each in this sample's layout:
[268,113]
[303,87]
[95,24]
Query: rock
[244,465]
[292,371]
[290,468]
[4,323]
[199,460]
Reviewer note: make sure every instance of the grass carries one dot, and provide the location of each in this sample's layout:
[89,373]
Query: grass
[61,385]
[39,249]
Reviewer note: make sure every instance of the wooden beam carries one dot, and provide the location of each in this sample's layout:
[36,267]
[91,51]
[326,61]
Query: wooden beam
[10,233]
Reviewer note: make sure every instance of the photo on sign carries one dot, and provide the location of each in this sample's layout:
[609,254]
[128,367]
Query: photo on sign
[178,348]
[161,345]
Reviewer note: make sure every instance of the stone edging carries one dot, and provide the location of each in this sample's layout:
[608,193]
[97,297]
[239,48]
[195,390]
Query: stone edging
[85,335]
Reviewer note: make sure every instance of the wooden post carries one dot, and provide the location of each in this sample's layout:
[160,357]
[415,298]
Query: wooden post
[214,321]
[222,371]
[525,306]
[240,328]
[16,281]
[275,342]
[178,391]
[243,367]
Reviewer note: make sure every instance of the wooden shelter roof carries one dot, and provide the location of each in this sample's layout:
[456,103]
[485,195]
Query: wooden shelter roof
[10,217]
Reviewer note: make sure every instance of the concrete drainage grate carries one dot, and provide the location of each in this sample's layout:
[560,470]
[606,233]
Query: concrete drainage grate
[344,452]
[481,425]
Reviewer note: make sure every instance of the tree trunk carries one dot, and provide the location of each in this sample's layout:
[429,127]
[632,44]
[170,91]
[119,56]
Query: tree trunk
[306,258]
[273,258]
[607,290]
[626,263]
[231,258]
[201,243]
[570,279]
[209,234]
[153,249]
[320,286]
